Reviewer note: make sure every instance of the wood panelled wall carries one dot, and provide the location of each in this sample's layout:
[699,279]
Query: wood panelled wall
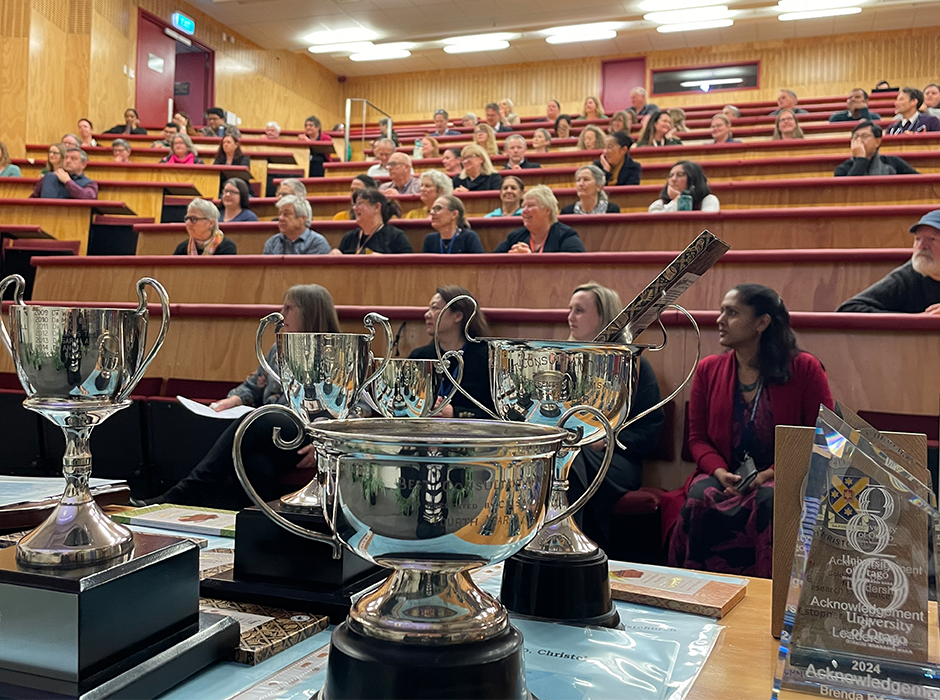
[813,66]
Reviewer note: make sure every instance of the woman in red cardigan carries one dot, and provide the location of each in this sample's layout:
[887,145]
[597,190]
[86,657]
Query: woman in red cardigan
[738,398]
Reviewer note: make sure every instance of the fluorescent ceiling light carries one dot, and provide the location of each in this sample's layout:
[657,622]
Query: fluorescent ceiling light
[576,37]
[583,28]
[712,82]
[479,38]
[470,48]
[383,52]
[699,14]
[666,5]
[810,5]
[354,47]
[341,36]
[692,26]
[815,14]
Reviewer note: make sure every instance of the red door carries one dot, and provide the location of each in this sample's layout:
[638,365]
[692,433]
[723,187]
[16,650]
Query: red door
[156,68]
[618,78]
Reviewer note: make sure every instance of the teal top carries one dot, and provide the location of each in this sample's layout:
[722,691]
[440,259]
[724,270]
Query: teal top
[499,212]
[11,171]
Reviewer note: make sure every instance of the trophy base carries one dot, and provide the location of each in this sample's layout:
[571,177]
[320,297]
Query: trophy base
[574,590]
[145,674]
[367,668]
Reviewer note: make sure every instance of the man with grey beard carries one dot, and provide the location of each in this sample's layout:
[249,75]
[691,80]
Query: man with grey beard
[913,288]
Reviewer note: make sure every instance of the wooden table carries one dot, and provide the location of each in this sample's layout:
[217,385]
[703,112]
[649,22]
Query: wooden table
[64,219]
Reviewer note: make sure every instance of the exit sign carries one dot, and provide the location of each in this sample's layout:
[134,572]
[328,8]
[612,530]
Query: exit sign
[183,23]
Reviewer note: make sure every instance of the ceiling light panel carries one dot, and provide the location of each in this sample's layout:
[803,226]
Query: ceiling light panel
[583,28]
[694,26]
[816,14]
[354,47]
[580,37]
[341,36]
[698,14]
[810,5]
[471,48]
[480,38]
[666,5]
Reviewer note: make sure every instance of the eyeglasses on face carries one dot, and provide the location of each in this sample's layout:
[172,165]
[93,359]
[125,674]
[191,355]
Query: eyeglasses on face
[193,219]
[437,208]
[230,191]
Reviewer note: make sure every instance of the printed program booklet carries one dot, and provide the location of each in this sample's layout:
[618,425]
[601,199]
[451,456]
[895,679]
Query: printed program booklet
[201,521]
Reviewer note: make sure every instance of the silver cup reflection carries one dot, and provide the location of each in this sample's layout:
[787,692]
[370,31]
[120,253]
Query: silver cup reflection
[429,499]
[322,375]
[78,366]
[409,388]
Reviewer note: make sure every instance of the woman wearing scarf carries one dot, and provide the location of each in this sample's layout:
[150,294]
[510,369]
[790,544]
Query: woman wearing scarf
[182,152]
[205,238]
[589,183]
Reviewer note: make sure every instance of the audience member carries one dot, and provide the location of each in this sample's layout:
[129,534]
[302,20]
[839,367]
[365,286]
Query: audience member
[659,131]
[563,126]
[913,288]
[459,321]
[731,112]
[883,86]
[492,118]
[182,151]
[440,123]
[615,161]
[866,156]
[478,173]
[54,157]
[169,131]
[313,131]
[909,120]
[121,150]
[402,174]
[385,126]
[295,237]
[382,149]
[131,124]
[932,100]
[737,400]
[202,227]
[434,184]
[185,124]
[639,104]
[589,184]
[621,121]
[721,129]
[678,119]
[591,138]
[786,127]
[506,116]
[515,148]
[68,181]
[235,201]
[553,110]
[430,148]
[469,119]
[686,177]
[451,235]
[450,159]
[272,131]
[215,122]
[541,232]
[592,109]
[292,185]
[856,109]
[71,141]
[230,152]
[541,140]
[485,138]
[7,169]
[85,133]
[787,99]
[373,235]
[510,197]
[591,308]
[360,182]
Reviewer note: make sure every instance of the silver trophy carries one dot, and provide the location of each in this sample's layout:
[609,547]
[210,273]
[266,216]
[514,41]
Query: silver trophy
[78,366]
[322,375]
[409,388]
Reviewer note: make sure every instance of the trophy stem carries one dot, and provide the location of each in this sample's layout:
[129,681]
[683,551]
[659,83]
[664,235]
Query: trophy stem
[564,537]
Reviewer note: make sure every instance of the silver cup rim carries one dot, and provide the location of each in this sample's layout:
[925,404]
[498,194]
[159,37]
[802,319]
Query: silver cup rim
[571,344]
[449,432]
[332,335]
[30,307]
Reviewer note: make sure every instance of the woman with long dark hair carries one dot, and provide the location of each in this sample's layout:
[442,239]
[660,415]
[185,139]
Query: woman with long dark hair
[230,152]
[689,178]
[373,235]
[737,400]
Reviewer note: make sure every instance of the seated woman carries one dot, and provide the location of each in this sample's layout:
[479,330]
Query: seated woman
[360,182]
[542,231]
[433,184]
[85,133]
[678,119]
[686,177]
[621,121]
[451,235]
[510,197]
[205,238]
[469,119]
[592,109]
[787,127]
[70,140]
[591,138]
[485,138]
[53,158]
[182,152]
[182,120]
[212,482]
[721,129]
[453,336]
[430,148]
[373,234]
[618,167]
[121,150]
[589,182]
[450,159]
[506,116]
[541,141]
[7,169]
[591,308]
[563,126]
[131,124]
[235,198]
[478,173]
[737,399]
[230,152]
[659,131]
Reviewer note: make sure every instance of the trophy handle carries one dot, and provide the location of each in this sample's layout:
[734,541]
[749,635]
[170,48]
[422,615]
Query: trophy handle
[17,299]
[276,317]
[443,369]
[369,322]
[142,283]
[471,339]
[576,440]
[284,445]
[688,377]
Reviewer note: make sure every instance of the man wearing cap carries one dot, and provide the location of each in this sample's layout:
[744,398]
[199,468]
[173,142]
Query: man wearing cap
[440,121]
[866,158]
[913,288]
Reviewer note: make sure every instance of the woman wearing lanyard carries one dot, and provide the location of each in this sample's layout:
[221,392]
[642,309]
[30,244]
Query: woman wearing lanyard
[542,232]
[451,235]
[738,398]
[452,335]
[374,235]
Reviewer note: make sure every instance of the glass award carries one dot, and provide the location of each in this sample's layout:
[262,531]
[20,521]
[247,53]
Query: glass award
[856,624]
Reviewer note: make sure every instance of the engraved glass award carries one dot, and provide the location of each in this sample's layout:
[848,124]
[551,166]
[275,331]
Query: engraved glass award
[856,624]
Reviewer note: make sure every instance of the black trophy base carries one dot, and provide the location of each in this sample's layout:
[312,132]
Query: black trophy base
[372,669]
[570,590]
[146,674]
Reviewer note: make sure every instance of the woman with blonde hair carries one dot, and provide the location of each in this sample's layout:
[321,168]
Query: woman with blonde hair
[430,147]
[54,157]
[787,127]
[593,109]
[621,121]
[678,119]
[541,232]
[506,116]
[591,138]
[541,140]
[7,169]
[485,137]
[478,173]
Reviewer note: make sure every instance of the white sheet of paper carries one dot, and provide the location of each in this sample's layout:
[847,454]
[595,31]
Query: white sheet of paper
[202,410]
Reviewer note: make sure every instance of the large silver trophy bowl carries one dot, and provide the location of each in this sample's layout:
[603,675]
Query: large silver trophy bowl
[78,366]
[322,375]
[409,388]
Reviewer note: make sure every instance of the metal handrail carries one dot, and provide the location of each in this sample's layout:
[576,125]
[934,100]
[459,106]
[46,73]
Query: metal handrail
[362,131]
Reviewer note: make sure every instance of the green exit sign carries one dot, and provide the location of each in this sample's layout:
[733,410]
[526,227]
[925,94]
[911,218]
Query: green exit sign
[183,23]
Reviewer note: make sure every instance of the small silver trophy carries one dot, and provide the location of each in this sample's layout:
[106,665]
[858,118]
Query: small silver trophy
[409,388]
[78,366]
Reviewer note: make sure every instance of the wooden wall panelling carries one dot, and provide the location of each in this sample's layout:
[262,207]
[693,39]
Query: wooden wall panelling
[113,47]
